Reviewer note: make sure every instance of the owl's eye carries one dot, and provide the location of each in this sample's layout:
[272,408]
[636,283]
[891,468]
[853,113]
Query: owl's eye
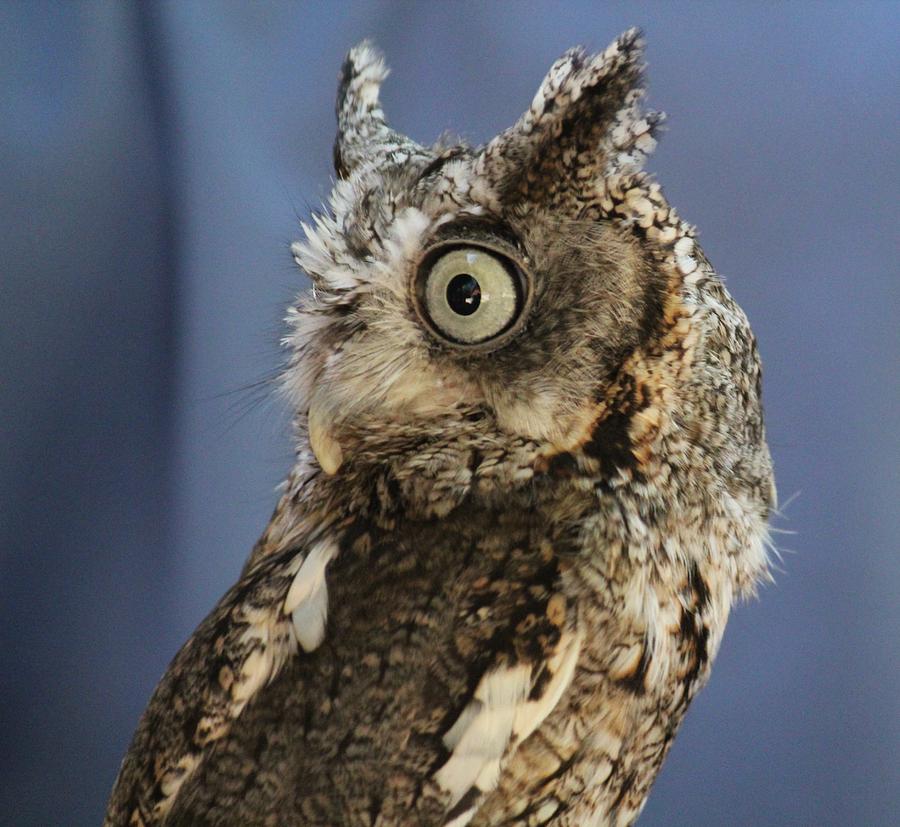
[470,295]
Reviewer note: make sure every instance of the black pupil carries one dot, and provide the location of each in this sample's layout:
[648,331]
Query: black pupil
[464,294]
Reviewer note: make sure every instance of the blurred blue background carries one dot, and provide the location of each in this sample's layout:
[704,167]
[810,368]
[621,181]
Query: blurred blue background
[154,162]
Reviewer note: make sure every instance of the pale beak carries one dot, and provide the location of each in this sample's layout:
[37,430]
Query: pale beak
[322,440]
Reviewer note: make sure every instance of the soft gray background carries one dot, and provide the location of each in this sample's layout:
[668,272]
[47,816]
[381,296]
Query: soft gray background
[154,162]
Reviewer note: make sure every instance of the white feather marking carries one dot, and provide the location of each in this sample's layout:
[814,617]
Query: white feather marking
[483,732]
[687,264]
[531,714]
[496,721]
[309,619]
[489,775]
[463,722]
[255,672]
[307,598]
[684,246]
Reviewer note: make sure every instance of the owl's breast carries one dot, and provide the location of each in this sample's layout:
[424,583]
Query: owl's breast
[417,617]
[357,726]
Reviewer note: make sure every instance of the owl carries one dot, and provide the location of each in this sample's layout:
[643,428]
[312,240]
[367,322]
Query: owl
[531,479]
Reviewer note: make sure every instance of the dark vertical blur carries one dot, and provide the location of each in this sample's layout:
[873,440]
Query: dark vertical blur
[86,403]
[154,162]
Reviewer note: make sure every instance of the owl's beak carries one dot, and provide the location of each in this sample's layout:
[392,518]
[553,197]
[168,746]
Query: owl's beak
[322,440]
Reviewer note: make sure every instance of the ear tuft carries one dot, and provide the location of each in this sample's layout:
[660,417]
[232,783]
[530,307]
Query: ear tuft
[362,74]
[363,133]
[584,122]
[579,77]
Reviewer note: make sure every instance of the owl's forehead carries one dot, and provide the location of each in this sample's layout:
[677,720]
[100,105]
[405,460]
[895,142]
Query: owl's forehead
[383,213]
[439,181]
[437,185]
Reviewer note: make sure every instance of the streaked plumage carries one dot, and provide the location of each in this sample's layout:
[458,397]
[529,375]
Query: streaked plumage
[524,501]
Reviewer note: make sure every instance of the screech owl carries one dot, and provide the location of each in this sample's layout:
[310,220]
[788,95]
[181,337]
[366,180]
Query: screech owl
[531,480]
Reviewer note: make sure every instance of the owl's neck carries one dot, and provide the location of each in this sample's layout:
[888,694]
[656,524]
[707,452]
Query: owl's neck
[426,476]
[427,472]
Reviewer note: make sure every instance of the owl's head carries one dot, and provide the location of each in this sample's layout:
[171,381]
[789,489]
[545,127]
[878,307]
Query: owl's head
[500,288]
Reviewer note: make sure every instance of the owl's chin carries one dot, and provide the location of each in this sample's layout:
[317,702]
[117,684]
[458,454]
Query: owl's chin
[334,442]
[340,414]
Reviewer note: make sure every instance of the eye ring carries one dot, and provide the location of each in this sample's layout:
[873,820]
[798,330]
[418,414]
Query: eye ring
[474,295]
